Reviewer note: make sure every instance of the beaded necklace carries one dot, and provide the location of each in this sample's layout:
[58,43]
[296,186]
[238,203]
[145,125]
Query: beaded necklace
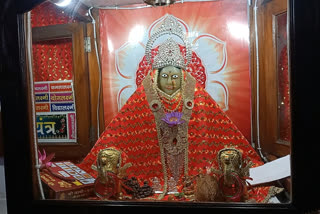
[175,102]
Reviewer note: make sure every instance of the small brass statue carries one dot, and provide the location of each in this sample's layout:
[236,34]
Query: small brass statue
[110,173]
[108,160]
[233,174]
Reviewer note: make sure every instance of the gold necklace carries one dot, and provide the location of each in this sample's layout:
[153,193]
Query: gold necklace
[163,100]
[172,101]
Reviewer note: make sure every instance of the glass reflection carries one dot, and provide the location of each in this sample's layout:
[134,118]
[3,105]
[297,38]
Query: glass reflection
[284,112]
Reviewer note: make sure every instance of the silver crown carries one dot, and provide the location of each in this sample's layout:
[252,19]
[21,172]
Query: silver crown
[169,52]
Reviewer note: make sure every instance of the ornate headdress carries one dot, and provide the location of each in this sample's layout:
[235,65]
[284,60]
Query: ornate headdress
[169,52]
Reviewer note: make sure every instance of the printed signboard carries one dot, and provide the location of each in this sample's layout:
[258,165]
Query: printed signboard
[55,112]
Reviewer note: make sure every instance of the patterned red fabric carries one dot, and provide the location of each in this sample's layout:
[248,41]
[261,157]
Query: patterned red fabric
[133,131]
[48,13]
[52,60]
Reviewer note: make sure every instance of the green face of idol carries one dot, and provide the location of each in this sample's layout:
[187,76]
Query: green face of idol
[169,80]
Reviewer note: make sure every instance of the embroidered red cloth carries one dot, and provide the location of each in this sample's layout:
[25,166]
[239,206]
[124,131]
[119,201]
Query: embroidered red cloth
[134,132]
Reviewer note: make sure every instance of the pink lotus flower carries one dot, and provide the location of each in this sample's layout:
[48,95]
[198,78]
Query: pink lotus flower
[44,160]
[173,118]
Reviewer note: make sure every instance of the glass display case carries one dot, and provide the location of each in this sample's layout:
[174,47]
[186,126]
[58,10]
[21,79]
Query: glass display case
[157,104]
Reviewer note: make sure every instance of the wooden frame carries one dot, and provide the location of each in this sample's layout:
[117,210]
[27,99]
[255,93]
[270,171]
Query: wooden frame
[267,83]
[18,163]
[75,31]
[265,125]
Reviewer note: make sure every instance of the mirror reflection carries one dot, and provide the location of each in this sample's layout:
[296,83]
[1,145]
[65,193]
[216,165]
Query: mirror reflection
[161,101]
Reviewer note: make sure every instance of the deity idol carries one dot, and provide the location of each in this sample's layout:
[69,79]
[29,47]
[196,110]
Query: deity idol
[171,128]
